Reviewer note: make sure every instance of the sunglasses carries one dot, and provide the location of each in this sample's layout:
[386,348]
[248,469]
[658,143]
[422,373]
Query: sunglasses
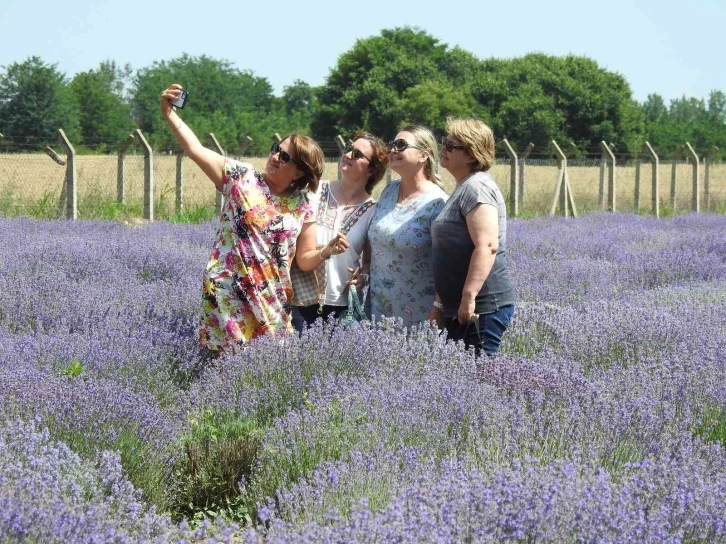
[356,153]
[401,145]
[285,157]
[449,146]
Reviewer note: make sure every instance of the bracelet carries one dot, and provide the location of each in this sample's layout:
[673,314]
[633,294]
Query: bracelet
[320,254]
[177,128]
[438,305]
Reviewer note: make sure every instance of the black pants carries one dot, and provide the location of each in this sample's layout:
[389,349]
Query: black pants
[306,315]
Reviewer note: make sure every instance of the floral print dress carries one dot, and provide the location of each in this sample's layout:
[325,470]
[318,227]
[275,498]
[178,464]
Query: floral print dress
[401,277]
[247,287]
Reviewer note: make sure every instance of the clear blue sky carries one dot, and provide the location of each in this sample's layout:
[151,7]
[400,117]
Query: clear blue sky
[666,47]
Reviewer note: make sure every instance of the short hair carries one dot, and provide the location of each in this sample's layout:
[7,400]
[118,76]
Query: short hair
[378,161]
[477,138]
[309,160]
[426,141]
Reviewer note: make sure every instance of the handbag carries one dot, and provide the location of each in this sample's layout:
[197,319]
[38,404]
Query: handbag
[354,313]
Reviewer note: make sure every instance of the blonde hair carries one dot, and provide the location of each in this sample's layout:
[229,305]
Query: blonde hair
[426,141]
[310,161]
[477,138]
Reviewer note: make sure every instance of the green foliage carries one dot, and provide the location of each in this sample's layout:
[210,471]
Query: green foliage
[367,86]
[406,76]
[74,369]
[219,453]
[230,103]
[711,425]
[538,98]
[702,123]
[35,101]
[104,114]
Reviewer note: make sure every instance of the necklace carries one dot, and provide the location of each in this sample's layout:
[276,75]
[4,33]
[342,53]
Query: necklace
[402,199]
[337,192]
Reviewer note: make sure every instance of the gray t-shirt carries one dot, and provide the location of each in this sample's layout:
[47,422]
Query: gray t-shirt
[453,248]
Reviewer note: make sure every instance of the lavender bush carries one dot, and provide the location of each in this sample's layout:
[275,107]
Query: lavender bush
[602,420]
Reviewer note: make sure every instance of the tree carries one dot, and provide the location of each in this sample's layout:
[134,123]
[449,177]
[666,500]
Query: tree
[104,113]
[365,89]
[35,102]
[222,100]
[540,97]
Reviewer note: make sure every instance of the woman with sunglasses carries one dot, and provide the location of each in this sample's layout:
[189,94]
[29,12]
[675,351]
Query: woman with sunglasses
[345,207]
[401,277]
[267,221]
[469,239]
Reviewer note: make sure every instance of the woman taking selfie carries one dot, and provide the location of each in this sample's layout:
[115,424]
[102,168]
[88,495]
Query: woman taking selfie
[401,277]
[266,222]
[345,207]
[470,240]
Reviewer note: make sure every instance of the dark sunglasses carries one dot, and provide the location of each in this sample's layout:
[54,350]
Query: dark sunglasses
[401,145]
[356,153]
[449,146]
[284,155]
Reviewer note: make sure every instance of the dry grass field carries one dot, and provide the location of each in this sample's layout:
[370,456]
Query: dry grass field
[30,183]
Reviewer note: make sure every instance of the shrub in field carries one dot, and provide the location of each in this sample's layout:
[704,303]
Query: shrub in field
[49,494]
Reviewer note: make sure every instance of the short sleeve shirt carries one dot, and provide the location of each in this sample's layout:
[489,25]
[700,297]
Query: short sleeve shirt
[401,278]
[247,288]
[453,247]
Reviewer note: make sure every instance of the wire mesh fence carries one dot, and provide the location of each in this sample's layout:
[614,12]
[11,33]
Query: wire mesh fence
[31,184]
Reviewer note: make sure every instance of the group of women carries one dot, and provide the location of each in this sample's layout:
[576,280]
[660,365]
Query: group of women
[290,246]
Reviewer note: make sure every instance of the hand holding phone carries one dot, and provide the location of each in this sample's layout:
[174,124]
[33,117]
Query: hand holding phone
[179,102]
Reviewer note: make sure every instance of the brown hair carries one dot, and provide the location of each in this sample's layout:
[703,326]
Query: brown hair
[426,140]
[478,139]
[378,161]
[310,162]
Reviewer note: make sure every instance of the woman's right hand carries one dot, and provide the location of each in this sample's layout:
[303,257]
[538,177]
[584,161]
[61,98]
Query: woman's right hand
[169,94]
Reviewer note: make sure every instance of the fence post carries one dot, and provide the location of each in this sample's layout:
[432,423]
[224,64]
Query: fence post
[636,196]
[62,200]
[513,181]
[655,186]
[707,178]
[121,170]
[676,155]
[695,200]
[604,161]
[71,185]
[53,155]
[148,175]
[563,191]
[608,157]
[179,201]
[341,148]
[522,172]
[218,197]
[245,145]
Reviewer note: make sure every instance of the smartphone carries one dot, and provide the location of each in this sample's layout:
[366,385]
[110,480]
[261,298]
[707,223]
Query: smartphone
[179,102]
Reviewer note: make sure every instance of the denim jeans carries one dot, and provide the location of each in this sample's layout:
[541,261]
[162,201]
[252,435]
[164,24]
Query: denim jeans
[485,334]
[306,315]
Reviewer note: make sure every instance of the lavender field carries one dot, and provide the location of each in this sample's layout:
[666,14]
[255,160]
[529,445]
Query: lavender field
[603,420]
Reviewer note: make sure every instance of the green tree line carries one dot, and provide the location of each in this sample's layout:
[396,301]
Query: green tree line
[403,75]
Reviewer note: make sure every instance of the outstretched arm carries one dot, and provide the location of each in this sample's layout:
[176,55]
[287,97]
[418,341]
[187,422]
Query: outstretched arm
[211,162]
